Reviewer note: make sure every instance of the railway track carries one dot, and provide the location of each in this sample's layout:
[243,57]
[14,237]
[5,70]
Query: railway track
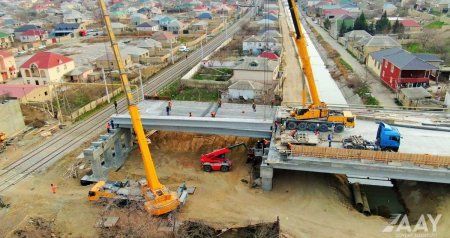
[71,138]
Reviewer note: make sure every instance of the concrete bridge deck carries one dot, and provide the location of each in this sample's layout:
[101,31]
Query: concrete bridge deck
[231,118]
[415,141]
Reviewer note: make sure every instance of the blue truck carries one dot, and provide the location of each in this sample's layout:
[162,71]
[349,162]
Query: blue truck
[388,139]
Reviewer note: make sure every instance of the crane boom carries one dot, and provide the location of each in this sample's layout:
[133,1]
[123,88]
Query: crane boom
[163,200]
[300,42]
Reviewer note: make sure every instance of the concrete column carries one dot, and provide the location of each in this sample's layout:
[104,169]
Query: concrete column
[128,139]
[118,158]
[96,163]
[107,155]
[266,173]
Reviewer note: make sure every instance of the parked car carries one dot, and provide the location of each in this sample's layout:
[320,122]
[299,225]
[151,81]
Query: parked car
[183,48]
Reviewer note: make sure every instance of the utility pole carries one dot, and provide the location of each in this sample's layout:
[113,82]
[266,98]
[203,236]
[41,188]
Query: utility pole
[171,51]
[106,87]
[142,87]
[59,106]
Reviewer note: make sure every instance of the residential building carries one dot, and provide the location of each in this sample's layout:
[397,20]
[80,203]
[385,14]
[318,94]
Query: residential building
[205,16]
[165,21]
[138,18]
[118,27]
[411,26]
[404,70]
[63,29]
[6,40]
[164,37]
[147,27]
[79,74]
[136,54]
[389,8]
[8,68]
[73,16]
[418,97]
[336,24]
[26,93]
[333,13]
[176,27]
[433,60]
[18,31]
[199,26]
[375,59]
[245,89]
[353,36]
[256,69]
[256,45]
[33,36]
[108,62]
[150,44]
[363,47]
[46,67]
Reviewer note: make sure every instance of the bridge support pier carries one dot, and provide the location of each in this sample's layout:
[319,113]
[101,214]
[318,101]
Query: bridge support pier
[266,172]
[108,152]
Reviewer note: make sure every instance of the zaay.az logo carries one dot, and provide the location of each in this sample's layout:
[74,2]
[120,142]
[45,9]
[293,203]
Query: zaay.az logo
[400,223]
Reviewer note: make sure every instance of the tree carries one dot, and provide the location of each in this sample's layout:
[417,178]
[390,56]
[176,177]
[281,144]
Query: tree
[361,23]
[383,25]
[398,27]
[342,30]
[327,24]
[371,29]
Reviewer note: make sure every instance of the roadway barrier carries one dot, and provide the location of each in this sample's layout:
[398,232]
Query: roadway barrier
[377,156]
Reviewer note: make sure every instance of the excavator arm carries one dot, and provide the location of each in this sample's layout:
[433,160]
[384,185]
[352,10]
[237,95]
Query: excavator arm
[160,200]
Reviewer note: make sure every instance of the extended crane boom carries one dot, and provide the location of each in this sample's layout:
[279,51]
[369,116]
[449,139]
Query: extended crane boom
[316,115]
[159,200]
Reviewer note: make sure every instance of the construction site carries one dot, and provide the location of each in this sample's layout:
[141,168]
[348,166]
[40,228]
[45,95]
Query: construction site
[306,164]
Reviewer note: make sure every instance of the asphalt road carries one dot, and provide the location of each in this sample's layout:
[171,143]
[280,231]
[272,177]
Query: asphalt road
[74,136]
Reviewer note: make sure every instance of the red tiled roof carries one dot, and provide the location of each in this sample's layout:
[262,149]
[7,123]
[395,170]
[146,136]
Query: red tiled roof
[335,12]
[269,55]
[409,23]
[5,54]
[46,60]
[16,90]
[34,32]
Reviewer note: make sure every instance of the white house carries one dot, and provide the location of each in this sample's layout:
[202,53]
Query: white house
[245,89]
[72,16]
[256,69]
[256,45]
[138,18]
[45,67]
[148,27]
[33,35]
[175,27]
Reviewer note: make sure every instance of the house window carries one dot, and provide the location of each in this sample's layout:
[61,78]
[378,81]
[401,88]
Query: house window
[27,73]
[45,82]
[45,93]
[28,81]
[382,75]
[385,64]
[43,74]
[392,68]
[36,81]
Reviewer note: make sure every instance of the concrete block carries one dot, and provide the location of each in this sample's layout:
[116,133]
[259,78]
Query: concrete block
[266,171]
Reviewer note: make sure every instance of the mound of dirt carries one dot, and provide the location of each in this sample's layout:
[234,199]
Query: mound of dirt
[183,142]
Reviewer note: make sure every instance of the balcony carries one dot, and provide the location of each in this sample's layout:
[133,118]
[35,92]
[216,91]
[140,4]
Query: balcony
[414,80]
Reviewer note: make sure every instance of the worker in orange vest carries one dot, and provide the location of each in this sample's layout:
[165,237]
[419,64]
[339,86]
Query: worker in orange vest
[53,187]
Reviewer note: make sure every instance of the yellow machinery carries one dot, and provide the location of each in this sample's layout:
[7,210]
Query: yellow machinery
[2,142]
[159,199]
[317,115]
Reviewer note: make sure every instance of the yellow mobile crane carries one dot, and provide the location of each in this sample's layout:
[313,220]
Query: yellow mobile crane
[317,115]
[158,199]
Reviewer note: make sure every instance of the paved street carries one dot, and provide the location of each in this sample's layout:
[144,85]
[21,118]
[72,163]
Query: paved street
[379,91]
[292,87]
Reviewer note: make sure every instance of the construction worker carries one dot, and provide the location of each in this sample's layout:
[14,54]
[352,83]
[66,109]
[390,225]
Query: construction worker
[219,103]
[272,103]
[254,106]
[330,138]
[53,188]
[115,106]
[112,123]
[108,127]
[190,114]
[167,110]
[213,114]
[170,105]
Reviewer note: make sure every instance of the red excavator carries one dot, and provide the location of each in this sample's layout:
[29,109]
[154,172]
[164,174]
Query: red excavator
[216,160]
